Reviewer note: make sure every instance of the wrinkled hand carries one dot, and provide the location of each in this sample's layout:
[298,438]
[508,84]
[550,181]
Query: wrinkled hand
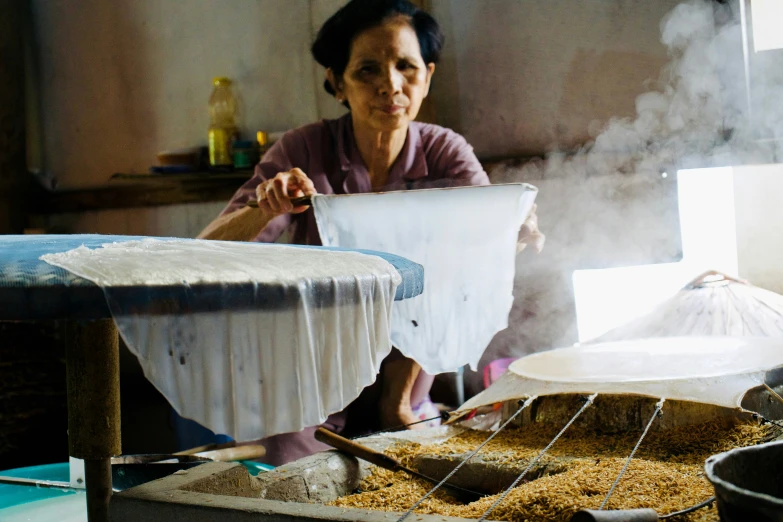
[529,233]
[274,195]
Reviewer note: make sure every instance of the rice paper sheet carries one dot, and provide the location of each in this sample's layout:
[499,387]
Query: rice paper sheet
[710,370]
[248,340]
[466,239]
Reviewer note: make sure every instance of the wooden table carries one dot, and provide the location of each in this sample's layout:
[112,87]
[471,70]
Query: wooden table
[31,289]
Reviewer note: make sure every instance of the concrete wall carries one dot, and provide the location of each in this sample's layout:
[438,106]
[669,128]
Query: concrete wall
[519,76]
[121,81]
[168,221]
[320,11]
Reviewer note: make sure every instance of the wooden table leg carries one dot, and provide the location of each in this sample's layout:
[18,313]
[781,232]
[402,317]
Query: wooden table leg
[93,378]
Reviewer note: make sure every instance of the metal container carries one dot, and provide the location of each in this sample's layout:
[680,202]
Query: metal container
[620,515]
[748,483]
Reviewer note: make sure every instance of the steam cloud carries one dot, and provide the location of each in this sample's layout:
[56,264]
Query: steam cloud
[697,114]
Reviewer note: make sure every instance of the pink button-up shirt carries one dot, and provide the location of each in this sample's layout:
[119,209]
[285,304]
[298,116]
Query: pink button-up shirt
[326,151]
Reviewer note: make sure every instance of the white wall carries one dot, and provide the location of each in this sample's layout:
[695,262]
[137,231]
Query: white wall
[759,224]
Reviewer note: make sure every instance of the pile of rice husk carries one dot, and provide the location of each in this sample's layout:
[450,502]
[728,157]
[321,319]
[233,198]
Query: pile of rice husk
[666,473]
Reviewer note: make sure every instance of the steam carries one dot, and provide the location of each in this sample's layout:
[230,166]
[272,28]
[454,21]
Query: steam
[696,114]
[698,111]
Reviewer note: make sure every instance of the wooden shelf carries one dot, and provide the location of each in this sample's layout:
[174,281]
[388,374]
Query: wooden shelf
[150,190]
[142,190]
[190,177]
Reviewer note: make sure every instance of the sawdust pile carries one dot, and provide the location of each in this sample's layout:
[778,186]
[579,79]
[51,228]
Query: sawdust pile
[666,474]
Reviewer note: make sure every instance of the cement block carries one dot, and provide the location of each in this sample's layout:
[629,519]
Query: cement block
[484,474]
[319,478]
[183,497]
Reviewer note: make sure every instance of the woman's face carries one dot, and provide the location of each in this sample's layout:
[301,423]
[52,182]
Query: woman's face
[386,78]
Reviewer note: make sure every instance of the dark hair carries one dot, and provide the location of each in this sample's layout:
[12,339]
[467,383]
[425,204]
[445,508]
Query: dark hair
[332,46]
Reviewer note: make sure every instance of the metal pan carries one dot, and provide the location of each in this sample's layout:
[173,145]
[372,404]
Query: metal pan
[133,470]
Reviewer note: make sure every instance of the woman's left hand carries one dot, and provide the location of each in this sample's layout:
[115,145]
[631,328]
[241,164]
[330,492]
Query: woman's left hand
[529,233]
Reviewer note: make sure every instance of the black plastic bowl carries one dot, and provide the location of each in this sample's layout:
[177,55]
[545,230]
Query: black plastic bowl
[748,483]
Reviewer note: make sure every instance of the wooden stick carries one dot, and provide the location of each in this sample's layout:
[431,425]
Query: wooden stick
[248,452]
[16,481]
[296,202]
[357,450]
[384,461]
[206,447]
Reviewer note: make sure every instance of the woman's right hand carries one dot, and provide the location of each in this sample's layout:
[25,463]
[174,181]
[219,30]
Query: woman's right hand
[274,195]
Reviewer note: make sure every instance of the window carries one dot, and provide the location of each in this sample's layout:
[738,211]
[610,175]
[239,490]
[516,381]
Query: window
[608,298]
[767,19]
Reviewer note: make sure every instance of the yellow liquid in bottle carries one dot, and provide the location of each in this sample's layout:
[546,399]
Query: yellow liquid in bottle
[222,129]
[220,146]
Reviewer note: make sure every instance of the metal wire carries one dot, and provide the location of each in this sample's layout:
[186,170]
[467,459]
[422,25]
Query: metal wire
[710,500]
[443,416]
[690,509]
[658,408]
[472,454]
[775,423]
[502,497]
[764,420]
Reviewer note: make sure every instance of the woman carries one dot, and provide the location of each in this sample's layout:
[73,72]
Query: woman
[379,56]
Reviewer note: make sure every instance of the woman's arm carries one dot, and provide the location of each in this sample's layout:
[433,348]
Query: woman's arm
[241,225]
[267,222]
[274,200]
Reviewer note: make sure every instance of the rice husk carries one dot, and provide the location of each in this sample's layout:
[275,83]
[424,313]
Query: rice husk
[666,473]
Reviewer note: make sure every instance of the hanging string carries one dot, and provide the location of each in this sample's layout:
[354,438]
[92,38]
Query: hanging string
[522,406]
[500,499]
[655,415]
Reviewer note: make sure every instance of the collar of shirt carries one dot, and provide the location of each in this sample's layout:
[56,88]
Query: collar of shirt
[410,165]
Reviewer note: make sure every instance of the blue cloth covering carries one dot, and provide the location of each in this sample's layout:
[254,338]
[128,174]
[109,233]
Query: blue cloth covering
[33,289]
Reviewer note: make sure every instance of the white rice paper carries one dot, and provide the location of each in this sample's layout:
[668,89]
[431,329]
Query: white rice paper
[466,239]
[709,370]
[254,372]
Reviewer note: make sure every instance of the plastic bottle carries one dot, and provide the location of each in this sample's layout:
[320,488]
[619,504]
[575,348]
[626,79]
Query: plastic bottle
[222,128]
[262,138]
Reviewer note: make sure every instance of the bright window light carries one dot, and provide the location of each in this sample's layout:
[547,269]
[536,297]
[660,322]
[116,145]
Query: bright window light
[767,18]
[608,298]
[707,219]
